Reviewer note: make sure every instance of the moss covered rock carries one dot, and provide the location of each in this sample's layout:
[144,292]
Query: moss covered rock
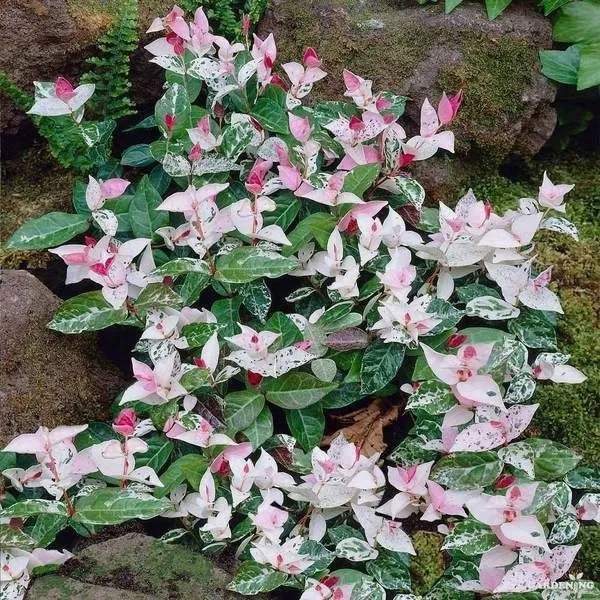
[145,565]
[421,51]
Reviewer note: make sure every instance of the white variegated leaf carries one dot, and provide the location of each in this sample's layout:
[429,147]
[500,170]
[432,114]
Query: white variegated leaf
[560,225]
[491,309]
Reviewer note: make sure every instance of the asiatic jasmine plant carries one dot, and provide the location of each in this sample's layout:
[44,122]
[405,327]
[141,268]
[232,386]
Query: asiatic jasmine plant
[279,264]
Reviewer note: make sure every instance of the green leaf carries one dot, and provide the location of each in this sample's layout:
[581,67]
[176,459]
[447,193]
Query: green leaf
[137,156]
[307,425]
[96,433]
[324,368]
[144,217]
[188,467]
[287,210]
[242,408]
[470,537]
[271,116]
[390,569]
[46,528]
[361,178]
[227,312]
[551,5]
[341,532]
[561,65]
[197,334]
[246,263]
[261,429]
[589,66]
[495,7]
[577,21]
[450,5]
[379,366]
[159,451]
[34,506]
[296,390]
[467,470]
[179,266]
[288,332]
[468,292]
[256,297]
[48,231]
[317,226]
[8,460]
[252,578]
[111,506]
[86,312]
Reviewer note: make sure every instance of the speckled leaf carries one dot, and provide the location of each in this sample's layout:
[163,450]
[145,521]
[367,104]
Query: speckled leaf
[379,366]
[355,550]
[470,537]
[256,297]
[390,569]
[86,312]
[252,578]
[48,231]
[564,529]
[584,478]
[247,263]
[467,470]
[433,397]
[491,309]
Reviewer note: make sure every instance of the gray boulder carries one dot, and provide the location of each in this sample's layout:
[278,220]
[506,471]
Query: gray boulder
[48,378]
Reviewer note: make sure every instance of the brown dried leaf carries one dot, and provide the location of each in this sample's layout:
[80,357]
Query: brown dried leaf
[365,426]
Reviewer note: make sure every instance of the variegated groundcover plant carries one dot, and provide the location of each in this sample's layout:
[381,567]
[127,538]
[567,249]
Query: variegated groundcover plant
[279,264]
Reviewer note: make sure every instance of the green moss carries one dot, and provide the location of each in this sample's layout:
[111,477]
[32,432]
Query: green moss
[33,185]
[569,413]
[588,559]
[492,76]
[341,33]
[427,566]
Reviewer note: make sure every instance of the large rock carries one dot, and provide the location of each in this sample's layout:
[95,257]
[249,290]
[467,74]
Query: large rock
[47,378]
[142,565]
[420,51]
[46,38]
